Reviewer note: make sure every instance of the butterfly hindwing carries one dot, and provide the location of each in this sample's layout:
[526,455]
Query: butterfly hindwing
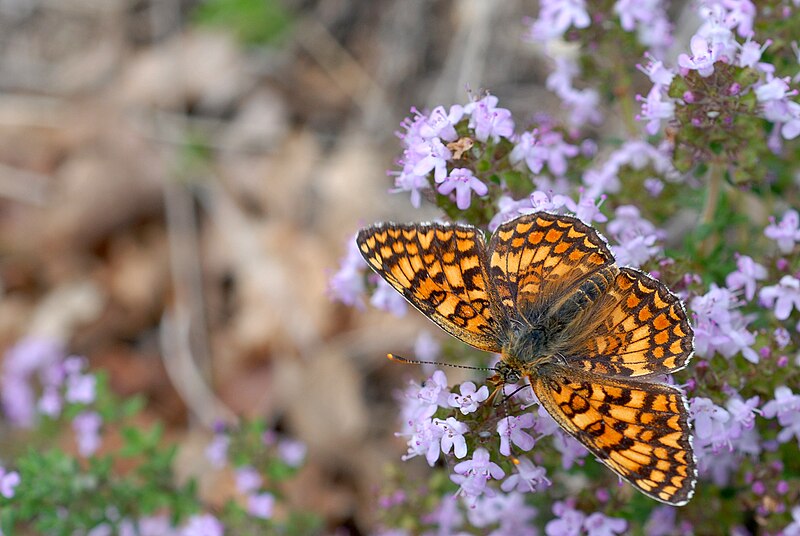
[639,429]
[638,328]
[440,269]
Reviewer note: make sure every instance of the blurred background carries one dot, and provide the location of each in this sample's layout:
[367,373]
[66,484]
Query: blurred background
[179,179]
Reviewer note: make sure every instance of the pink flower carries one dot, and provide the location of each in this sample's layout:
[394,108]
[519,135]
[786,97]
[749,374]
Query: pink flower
[489,121]
[386,298]
[568,521]
[203,525]
[511,430]
[347,284]
[470,399]
[527,479]
[8,481]
[787,232]
[248,479]
[656,107]
[598,524]
[784,296]
[453,436]
[747,273]
[556,16]
[87,432]
[702,58]
[473,475]
[261,505]
[464,183]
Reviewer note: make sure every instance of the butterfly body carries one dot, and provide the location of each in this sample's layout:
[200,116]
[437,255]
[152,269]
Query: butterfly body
[588,336]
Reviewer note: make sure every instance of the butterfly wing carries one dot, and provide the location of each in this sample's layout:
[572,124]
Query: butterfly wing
[537,260]
[440,269]
[637,328]
[638,429]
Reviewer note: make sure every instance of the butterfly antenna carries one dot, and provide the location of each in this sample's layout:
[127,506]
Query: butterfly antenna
[407,361]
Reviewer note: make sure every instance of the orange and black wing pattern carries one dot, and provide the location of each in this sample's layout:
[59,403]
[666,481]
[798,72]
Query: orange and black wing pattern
[639,429]
[639,328]
[440,269]
[535,260]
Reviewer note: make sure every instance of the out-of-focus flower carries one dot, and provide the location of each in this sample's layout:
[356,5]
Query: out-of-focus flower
[347,284]
[556,17]
[9,480]
[745,276]
[217,450]
[597,524]
[261,505]
[720,326]
[248,479]
[386,298]
[568,521]
[87,432]
[292,451]
[786,407]
[203,525]
[787,232]
[528,478]
[21,362]
[784,296]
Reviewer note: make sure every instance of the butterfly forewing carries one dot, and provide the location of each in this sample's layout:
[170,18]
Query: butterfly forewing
[639,429]
[440,269]
[537,259]
[639,328]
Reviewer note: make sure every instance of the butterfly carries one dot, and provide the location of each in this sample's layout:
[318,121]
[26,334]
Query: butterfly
[589,336]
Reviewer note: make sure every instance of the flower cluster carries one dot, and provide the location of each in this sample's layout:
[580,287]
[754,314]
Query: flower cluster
[725,110]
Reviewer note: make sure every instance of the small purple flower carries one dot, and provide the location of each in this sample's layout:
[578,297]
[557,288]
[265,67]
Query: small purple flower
[453,436]
[702,58]
[657,107]
[8,481]
[511,430]
[710,421]
[80,388]
[21,362]
[203,525]
[347,284]
[470,399]
[568,522]
[217,450]
[473,475]
[529,149]
[787,232]
[745,276]
[527,479]
[720,326]
[599,525]
[50,402]
[441,123]
[786,407]
[464,183]
[86,426]
[386,298]
[425,441]
[656,71]
[489,121]
[555,18]
[248,479]
[782,337]
[434,390]
[292,452]
[743,412]
[784,296]
[261,505]
[571,451]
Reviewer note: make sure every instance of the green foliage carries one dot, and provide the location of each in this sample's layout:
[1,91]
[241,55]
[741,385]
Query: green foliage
[253,22]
